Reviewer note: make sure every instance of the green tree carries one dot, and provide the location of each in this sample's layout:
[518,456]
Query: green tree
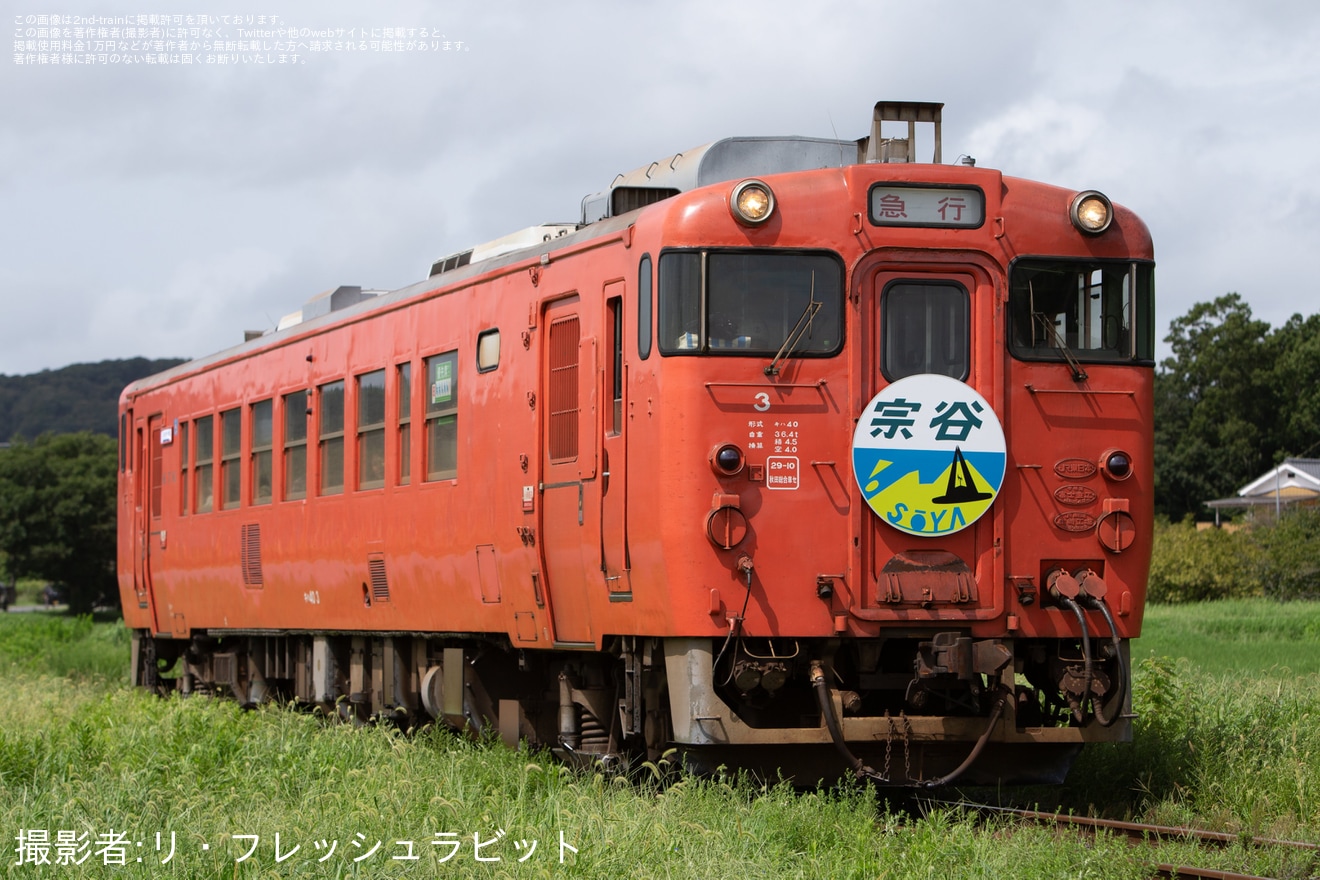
[1213,406]
[1233,399]
[57,513]
[79,397]
[1296,358]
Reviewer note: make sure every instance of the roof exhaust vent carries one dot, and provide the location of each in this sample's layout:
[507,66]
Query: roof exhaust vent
[878,148]
[324,303]
[333,300]
[516,241]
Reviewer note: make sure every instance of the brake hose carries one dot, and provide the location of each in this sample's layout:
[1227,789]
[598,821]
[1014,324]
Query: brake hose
[1080,712]
[1100,715]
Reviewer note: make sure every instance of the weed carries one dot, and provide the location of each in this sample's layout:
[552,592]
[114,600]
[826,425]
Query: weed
[83,753]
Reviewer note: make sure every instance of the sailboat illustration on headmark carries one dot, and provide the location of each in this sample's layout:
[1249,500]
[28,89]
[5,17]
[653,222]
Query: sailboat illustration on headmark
[964,490]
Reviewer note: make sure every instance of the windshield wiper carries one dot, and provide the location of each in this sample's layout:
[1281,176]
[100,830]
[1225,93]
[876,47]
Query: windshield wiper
[800,329]
[1079,375]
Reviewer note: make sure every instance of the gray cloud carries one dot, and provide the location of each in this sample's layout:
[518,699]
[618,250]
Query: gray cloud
[162,210]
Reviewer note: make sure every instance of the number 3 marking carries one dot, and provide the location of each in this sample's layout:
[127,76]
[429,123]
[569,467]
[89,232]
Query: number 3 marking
[762,402]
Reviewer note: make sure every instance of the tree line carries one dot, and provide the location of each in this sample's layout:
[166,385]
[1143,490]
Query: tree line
[57,515]
[80,397]
[58,476]
[1234,398]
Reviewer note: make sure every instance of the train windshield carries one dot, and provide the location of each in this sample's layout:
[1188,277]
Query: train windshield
[750,303]
[1091,311]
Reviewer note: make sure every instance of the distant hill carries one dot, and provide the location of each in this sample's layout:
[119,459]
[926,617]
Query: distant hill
[81,397]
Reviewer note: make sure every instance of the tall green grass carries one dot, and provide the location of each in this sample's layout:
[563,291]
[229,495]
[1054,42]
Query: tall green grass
[82,752]
[1232,752]
[61,645]
[81,757]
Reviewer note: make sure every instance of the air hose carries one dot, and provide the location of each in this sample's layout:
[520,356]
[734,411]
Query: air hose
[995,712]
[1100,714]
[822,687]
[1089,675]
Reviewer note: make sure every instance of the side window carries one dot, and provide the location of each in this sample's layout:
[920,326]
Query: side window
[295,445]
[442,416]
[231,444]
[1086,310]
[331,412]
[204,458]
[156,450]
[262,443]
[405,423]
[644,308]
[925,329]
[614,367]
[488,351]
[751,303]
[183,468]
[371,430]
[680,301]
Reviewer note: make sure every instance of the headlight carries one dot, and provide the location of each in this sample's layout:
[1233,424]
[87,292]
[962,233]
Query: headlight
[752,202]
[1091,212]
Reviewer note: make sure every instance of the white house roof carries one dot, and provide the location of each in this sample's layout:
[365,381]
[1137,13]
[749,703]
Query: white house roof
[1295,478]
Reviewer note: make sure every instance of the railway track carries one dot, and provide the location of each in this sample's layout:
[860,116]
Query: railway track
[1139,833]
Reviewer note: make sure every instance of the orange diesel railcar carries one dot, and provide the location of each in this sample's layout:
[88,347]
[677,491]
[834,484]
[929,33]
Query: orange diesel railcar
[787,454]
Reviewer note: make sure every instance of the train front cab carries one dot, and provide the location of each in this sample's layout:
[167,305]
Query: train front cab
[979,638]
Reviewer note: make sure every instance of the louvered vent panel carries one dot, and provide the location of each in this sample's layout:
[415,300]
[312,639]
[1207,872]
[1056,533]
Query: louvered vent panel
[629,198]
[380,585]
[250,541]
[224,668]
[563,403]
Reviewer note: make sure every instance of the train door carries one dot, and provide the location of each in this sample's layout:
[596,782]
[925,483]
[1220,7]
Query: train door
[569,489]
[614,450]
[147,508]
[927,537]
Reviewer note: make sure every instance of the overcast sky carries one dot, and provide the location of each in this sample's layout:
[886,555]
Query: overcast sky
[163,209]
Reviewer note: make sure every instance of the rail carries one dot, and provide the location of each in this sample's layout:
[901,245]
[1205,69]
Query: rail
[1142,833]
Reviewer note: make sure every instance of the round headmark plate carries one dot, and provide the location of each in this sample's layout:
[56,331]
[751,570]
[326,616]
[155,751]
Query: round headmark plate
[929,454]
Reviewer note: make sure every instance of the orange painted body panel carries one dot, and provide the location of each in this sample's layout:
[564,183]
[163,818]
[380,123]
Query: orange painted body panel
[548,549]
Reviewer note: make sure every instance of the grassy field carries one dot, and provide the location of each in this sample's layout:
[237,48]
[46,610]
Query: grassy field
[1235,748]
[1274,639]
[56,644]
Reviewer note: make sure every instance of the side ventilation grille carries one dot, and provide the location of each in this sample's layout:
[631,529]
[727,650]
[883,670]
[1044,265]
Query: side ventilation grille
[380,585]
[225,668]
[250,542]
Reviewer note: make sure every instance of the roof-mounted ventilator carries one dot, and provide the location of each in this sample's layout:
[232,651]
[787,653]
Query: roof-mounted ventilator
[326,302]
[524,238]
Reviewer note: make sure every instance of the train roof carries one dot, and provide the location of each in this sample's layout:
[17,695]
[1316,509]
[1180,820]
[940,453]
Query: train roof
[723,160]
[739,157]
[716,162]
[727,159]
[344,303]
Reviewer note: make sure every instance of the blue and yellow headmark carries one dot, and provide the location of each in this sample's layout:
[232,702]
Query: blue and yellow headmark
[929,455]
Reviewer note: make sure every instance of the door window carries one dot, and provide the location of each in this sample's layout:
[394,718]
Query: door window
[925,329]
